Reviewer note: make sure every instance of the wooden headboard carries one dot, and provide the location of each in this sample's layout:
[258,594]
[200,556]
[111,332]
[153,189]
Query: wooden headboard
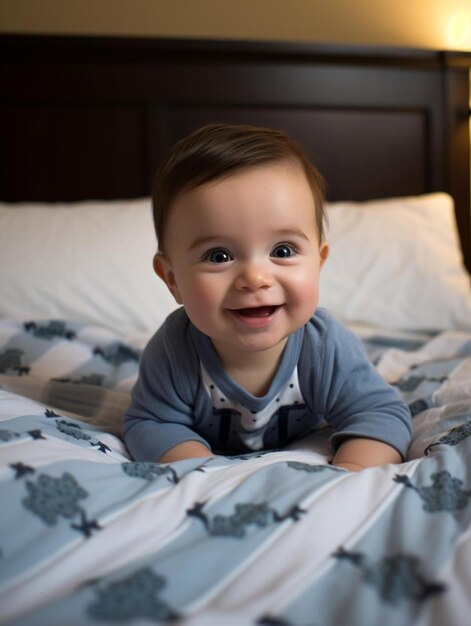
[90,117]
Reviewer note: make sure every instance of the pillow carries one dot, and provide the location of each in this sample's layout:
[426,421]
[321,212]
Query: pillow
[396,263]
[89,262]
[393,263]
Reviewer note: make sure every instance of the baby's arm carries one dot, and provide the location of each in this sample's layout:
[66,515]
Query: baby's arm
[371,422]
[186,450]
[358,453]
[158,425]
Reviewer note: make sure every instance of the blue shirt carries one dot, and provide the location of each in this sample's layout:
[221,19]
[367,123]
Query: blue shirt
[324,378]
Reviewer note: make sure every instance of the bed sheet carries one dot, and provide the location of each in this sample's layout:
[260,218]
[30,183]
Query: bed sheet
[87,536]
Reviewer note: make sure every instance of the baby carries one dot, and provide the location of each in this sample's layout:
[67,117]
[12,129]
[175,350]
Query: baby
[249,362]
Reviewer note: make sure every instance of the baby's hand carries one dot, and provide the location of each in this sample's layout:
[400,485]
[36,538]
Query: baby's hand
[349,466]
[356,454]
[186,450]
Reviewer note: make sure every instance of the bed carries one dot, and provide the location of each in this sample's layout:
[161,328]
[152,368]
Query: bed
[87,535]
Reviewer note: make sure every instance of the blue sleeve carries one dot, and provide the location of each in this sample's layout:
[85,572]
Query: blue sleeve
[160,415]
[347,390]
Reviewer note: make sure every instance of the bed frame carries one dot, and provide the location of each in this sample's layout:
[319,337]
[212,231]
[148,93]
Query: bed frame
[90,117]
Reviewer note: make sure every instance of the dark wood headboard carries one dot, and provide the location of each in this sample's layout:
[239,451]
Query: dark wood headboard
[89,117]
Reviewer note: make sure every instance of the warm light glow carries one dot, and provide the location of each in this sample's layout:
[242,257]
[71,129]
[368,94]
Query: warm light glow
[459,31]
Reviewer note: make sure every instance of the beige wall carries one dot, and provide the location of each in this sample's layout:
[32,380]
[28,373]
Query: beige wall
[411,23]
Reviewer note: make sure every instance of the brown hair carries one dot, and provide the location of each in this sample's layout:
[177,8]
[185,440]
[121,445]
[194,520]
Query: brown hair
[217,150]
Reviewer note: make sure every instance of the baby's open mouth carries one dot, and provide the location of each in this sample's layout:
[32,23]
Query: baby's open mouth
[259,311]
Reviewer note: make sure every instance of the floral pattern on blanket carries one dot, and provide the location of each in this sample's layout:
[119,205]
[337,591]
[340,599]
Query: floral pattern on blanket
[90,537]
[82,370]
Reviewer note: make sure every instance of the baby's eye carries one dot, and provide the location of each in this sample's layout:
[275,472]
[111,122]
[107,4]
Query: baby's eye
[218,255]
[283,251]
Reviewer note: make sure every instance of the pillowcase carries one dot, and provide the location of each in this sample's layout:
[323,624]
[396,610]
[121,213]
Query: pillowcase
[393,263]
[396,263]
[89,262]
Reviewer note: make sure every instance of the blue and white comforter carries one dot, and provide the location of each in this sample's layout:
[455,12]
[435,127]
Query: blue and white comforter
[88,537]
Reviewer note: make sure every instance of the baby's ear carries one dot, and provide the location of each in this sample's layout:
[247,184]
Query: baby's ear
[163,269]
[324,252]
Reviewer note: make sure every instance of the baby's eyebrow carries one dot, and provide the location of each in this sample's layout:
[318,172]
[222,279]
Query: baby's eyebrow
[280,233]
[203,240]
[291,232]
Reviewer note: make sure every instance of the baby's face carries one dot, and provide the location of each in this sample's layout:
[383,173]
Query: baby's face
[242,254]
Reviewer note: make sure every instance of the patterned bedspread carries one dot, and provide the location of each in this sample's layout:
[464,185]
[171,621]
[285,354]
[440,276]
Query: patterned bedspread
[88,537]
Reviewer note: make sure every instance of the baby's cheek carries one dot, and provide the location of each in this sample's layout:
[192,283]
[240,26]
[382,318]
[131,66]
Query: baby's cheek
[304,287]
[200,301]
[305,301]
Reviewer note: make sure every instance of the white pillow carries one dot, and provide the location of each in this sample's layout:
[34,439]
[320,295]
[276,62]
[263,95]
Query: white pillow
[89,262]
[393,263]
[396,263]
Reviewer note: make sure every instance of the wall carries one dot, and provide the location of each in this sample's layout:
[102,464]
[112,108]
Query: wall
[409,23]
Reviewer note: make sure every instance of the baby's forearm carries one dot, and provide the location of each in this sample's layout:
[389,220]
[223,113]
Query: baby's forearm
[186,450]
[356,454]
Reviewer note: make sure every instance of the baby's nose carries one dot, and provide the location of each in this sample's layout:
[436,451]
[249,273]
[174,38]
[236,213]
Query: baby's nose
[254,276]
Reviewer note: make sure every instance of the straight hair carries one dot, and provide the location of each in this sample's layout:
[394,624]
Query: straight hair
[218,150]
